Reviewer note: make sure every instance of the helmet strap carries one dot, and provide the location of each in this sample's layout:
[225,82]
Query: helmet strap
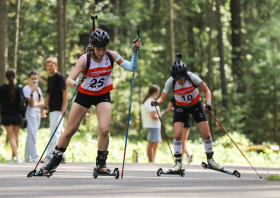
[93,52]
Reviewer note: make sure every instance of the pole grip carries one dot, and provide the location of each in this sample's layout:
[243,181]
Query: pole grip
[93,17]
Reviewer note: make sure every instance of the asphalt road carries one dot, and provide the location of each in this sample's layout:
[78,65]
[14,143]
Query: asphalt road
[140,180]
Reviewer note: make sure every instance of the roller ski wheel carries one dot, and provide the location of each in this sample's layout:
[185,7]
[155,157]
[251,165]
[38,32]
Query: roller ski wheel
[159,172]
[39,174]
[180,173]
[31,173]
[97,173]
[235,172]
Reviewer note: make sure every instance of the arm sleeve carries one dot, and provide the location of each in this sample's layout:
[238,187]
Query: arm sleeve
[61,82]
[126,64]
[168,85]
[195,79]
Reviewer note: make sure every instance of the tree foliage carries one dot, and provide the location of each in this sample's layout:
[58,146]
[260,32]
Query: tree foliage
[253,111]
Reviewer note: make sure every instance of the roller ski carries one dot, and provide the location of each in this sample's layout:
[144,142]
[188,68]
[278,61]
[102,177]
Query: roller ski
[176,169]
[101,165]
[50,166]
[217,167]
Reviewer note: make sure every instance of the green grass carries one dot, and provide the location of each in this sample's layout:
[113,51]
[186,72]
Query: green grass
[83,148]
[272,177]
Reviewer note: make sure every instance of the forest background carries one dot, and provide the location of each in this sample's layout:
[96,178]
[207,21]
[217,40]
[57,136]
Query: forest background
[231,44]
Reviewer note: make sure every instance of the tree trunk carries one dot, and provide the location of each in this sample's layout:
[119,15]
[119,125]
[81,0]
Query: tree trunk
[274,109]
[200,36]
[172,46]
[237,60]
[61,27]
[3,40]
[116,30]
[221,54]
[3,44]
[181,46]
[209,66]
[16,35]
[65,9]
[191,43]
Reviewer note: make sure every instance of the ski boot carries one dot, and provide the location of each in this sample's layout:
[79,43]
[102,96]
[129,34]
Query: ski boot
[101,163]
[52,164]
[176,169]
[217,167]
[211,162]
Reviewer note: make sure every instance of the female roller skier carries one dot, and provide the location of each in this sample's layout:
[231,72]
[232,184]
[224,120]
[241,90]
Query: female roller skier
[94,90]
[188,100]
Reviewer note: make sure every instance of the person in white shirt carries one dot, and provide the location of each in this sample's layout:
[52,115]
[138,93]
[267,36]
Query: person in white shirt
[151,122]
[33,94]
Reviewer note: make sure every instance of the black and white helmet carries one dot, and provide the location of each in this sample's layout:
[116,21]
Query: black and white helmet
[99,38]
[178,70]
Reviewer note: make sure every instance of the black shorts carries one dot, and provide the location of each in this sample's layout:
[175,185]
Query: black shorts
[197,111]
[87,100]
[187,119]
[8,120]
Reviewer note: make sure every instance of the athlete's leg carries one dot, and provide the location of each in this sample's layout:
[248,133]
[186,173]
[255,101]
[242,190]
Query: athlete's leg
[76,115]
[205,132]
[178,128]
[103,112]
[185,135]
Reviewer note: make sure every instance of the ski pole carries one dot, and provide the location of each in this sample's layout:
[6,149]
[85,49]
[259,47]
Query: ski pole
[34,171]
[165,135]
[232,140]
[127,126]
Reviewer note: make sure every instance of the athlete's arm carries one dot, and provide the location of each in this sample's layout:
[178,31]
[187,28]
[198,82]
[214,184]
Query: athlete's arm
[124,63]
[162,98]
[195,79]
[79,67]
[207,93]
[165,91]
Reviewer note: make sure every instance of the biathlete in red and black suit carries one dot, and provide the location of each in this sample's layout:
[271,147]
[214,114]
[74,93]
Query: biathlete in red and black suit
[185,85]
[95,87]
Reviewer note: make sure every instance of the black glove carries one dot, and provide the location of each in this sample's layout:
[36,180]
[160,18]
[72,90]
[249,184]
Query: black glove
[153,102]
[208,107]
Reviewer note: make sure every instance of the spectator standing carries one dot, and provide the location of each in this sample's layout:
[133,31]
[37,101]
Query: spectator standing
[10,112]
[56,103]
[33,94]
[151,122]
